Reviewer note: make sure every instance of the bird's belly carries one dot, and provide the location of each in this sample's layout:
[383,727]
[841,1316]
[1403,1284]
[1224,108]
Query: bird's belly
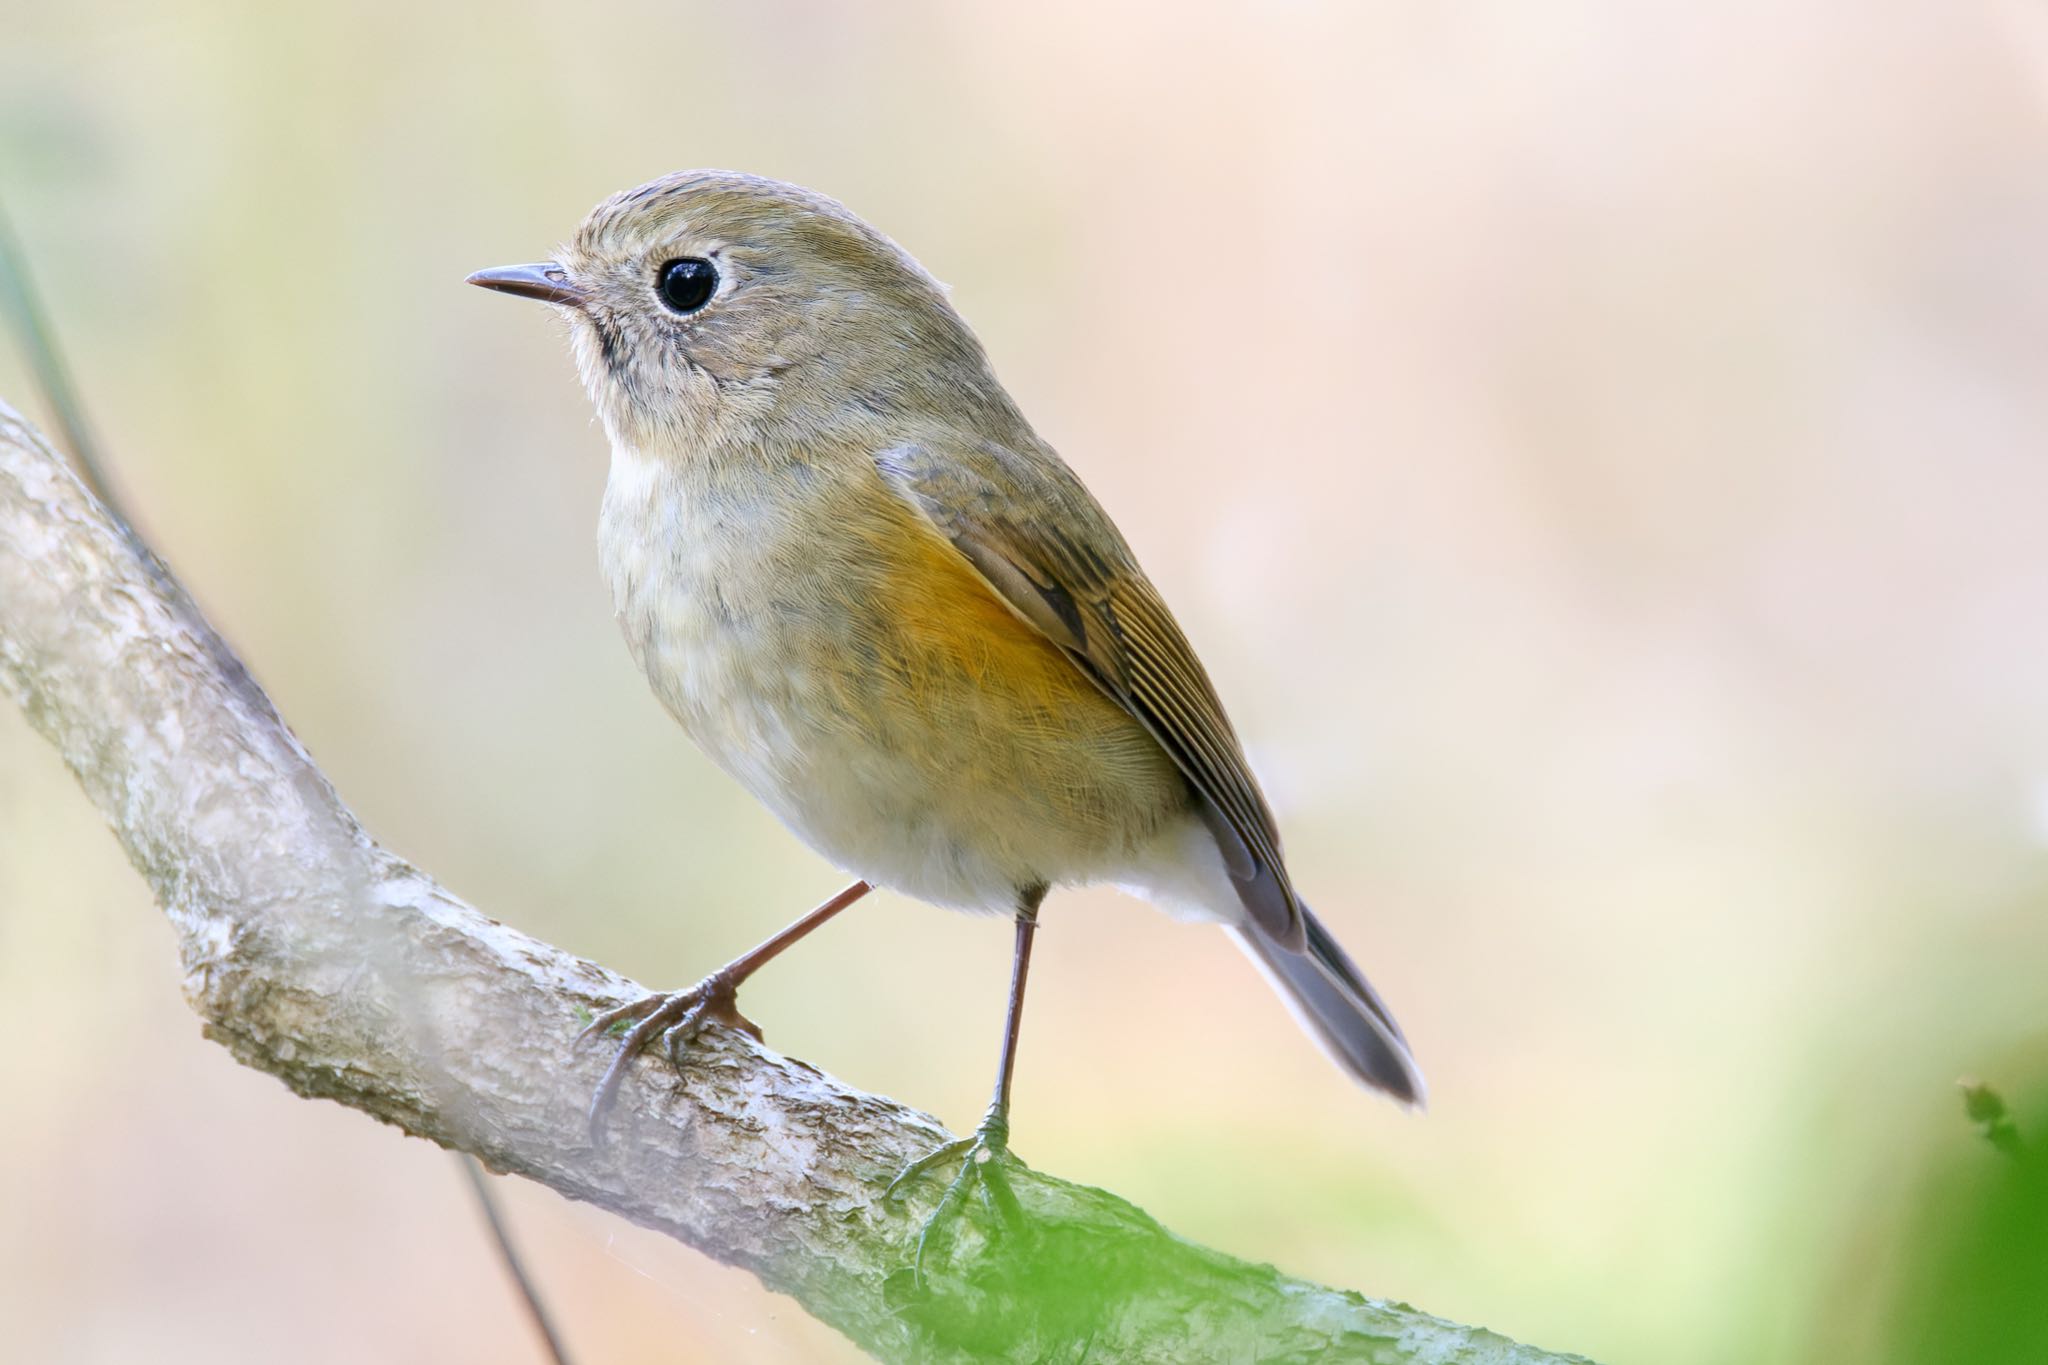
[863,683]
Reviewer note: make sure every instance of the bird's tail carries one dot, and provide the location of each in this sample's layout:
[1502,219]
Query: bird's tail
[1338,1007]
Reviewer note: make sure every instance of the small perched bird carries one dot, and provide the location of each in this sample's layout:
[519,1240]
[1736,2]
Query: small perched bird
[879,601]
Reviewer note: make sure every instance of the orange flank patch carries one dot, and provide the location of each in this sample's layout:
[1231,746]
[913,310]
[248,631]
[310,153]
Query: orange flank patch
[952,621]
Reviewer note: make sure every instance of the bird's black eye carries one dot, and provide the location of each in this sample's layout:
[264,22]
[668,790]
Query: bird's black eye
[688,284]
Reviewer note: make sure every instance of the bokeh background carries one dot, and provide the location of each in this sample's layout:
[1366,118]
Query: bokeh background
[1597,447]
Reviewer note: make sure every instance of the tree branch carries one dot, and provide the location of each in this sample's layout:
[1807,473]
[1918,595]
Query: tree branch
[315,955]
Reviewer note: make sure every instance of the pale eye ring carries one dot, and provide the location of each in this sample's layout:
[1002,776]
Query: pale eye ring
[687,284]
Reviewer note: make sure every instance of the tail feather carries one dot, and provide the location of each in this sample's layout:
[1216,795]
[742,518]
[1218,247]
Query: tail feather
[1338,1007]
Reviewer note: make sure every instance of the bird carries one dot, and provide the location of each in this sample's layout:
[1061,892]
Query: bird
[868,590]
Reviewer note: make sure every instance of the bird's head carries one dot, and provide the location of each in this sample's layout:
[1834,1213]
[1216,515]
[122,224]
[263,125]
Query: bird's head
[712,308]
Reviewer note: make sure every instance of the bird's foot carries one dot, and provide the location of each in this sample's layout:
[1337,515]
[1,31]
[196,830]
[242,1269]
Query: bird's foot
[985,1162]
[676,1017]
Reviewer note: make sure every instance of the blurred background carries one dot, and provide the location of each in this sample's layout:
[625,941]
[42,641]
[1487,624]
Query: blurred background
[1597,448]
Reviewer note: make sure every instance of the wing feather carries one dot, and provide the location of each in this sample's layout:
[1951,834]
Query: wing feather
[1048,550]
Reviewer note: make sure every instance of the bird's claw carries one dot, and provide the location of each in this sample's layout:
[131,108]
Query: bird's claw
[985,1159]
[676,1017]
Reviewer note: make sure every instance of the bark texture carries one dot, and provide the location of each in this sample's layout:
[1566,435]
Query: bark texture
[313,954]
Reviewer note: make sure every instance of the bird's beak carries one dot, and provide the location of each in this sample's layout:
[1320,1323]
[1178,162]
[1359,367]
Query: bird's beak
[543,280]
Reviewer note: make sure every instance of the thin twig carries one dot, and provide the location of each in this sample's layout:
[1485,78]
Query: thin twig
[507,1252]
[31,324]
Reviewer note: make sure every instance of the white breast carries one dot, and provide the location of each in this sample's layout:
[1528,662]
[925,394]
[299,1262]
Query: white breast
[685,562]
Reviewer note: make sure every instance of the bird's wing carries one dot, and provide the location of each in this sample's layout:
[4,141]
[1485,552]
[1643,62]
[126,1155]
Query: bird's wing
[1048,550]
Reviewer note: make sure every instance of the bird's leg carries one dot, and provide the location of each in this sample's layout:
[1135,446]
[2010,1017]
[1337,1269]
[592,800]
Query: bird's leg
[984,1156]
[679,1015]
